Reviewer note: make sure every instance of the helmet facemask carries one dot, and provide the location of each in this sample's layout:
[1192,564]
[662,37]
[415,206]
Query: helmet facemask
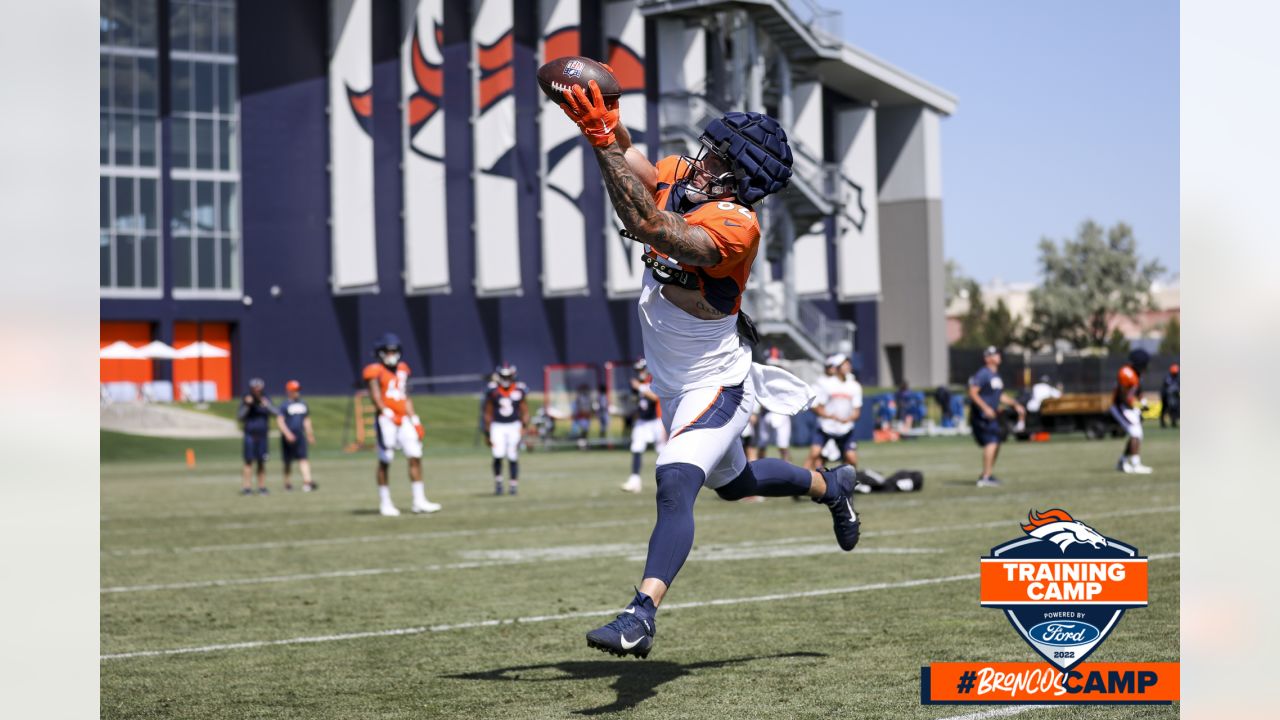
[506,376]
[389,355]
[709,176]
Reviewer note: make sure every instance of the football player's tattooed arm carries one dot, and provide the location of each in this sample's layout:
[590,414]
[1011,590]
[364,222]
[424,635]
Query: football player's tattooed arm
[524,413]
[488,416]
[639,164]
[667,232]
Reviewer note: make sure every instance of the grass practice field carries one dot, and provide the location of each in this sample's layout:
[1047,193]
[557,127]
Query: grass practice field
[313,606]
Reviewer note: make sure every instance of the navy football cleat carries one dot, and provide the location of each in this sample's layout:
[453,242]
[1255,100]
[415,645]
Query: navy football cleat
[839,499]
[628,634]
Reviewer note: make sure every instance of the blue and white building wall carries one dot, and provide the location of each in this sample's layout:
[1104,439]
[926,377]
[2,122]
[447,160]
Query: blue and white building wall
[304,176]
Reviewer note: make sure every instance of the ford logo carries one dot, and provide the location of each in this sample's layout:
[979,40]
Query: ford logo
[1063,634]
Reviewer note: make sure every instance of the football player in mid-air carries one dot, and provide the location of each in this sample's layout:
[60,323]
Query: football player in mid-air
[397,426]
[647,427]
[1126,407]
[506,415]
[695,216]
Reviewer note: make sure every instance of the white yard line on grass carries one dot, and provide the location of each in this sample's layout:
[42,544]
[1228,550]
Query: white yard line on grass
[546,618]
[646,520]
[533,619]
[751,550]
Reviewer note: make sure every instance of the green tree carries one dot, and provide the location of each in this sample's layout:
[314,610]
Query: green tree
[955,280]
[973,326]
[1002,329]
[1089,281]
[1117,344]
[1170,345]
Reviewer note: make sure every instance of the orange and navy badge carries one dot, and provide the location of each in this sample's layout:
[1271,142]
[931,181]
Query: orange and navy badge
[1063,586]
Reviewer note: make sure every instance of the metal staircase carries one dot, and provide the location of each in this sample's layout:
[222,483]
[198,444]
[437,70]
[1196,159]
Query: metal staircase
[801,38]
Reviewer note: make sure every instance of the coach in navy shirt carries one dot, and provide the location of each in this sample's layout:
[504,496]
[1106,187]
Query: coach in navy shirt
[986,395]
[256,412]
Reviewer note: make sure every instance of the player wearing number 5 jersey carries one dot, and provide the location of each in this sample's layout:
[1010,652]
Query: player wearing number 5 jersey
[506,414]
[695,216]
[397,426]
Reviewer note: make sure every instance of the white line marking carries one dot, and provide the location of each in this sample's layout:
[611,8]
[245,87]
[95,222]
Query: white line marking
[531,619]
[647,520]
[546,618]
[779,548]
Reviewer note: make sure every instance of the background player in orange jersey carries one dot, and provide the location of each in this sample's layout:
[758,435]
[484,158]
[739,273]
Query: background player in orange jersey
[1126,408]
[398,425]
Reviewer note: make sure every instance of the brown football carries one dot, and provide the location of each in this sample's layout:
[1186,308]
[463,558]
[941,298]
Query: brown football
[563,73]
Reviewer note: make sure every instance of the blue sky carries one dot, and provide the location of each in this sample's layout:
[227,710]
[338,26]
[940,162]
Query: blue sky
[1067,111]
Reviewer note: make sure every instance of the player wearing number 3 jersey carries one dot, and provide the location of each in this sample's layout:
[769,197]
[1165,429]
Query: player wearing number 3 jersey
[506,415]
[695,216]
[397,426]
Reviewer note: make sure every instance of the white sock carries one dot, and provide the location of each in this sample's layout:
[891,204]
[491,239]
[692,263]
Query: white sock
[419,492]
[384,493]
[1136,460]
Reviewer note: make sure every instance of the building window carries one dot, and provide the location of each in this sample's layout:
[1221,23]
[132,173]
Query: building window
[204,181]
[129,134]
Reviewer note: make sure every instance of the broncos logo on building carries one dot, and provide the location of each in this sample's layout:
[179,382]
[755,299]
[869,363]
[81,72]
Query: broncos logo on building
[428,79]
[1061,529]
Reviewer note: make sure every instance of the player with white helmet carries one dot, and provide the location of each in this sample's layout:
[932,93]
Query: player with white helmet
[506,415]
[695,216]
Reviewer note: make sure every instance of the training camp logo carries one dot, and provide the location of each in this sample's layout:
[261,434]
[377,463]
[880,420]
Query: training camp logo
[1063,586]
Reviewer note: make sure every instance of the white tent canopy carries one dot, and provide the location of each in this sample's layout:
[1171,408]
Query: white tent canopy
[157,350]
[199,350]
[121,350]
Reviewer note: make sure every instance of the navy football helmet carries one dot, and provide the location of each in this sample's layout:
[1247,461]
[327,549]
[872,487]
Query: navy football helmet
[744,155]
[388,350]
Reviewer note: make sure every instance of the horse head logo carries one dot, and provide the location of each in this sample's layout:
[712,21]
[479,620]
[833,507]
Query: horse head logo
[1059,528]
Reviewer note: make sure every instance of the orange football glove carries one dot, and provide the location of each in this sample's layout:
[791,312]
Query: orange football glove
[593,116]
[417,427]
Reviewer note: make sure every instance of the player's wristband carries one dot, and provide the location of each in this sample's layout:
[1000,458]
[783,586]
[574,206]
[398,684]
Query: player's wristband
[414,419]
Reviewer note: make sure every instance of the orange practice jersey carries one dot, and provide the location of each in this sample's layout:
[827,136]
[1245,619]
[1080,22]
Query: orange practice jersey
[391,385]
[1126,394]
[732,227]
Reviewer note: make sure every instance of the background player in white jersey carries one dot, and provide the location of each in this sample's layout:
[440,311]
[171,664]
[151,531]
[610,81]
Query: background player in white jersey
[838,406]
[506,414]
[771,428]
[696,218]
[646,427]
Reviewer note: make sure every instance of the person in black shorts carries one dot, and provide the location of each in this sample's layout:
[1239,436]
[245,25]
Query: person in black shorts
[296,434]
[255,412]
[986,396]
